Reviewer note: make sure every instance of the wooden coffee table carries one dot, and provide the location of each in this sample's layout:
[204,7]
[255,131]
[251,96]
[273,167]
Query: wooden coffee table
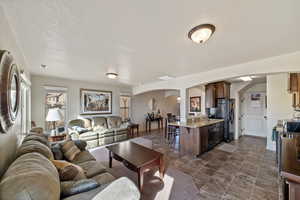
[137,158]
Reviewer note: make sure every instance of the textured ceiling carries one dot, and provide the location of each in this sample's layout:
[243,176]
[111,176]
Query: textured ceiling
[143,40]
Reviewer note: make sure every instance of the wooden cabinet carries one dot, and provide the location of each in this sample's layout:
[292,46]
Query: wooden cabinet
[294,88]
[210,96]
[214,91]
[204,139]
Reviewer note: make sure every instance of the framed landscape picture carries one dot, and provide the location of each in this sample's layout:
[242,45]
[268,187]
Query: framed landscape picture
[195,104]
[95,102]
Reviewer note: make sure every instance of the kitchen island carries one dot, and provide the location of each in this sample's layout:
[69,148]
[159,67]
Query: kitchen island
[198,136]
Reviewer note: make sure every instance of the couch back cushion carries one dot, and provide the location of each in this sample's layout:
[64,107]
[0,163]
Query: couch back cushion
[100,122]
[37,137]
[31,146]
[30,177]
[114,122]
[87,123]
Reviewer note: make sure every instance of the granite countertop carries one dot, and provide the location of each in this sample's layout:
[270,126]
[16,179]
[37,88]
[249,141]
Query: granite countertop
[199,124]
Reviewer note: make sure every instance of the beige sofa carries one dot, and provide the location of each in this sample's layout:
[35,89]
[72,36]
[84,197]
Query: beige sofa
[98,131]
[32,176]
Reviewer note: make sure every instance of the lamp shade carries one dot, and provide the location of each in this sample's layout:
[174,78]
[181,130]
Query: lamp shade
[53,115]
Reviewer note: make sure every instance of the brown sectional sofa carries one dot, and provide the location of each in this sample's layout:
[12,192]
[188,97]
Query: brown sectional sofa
[32,176]
[98,131]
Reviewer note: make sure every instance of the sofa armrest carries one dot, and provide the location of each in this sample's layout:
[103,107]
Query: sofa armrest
[121,189]
[73,134]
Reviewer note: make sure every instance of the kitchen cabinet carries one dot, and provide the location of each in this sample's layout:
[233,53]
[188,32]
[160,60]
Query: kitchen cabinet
[210,96]
[214,91]
[294,88]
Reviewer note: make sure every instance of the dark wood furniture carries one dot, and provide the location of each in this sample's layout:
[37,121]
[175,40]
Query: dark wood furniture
[133,127]
[290,165]
[57,138]
[137,158]
[213,91]
[199,140]
[159,120]
[294,88]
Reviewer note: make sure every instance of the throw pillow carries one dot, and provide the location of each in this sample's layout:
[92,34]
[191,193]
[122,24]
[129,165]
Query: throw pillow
[68,171]
[80,129]
[81,144]
[69,188]
[57,153]
[70,150]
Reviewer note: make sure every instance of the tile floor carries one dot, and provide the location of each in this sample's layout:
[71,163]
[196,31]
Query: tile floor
[248,172]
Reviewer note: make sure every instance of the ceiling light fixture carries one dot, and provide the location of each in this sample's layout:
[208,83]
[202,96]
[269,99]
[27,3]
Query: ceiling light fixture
[246,78]
[43,66]
[165,78]
[201,33]
[111,75]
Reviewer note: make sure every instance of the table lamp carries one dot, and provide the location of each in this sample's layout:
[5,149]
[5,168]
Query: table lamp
[53,116]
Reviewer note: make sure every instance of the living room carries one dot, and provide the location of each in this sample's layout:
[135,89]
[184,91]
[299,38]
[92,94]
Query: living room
[149,100]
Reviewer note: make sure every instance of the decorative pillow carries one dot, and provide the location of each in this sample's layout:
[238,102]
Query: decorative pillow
[37,137]
[57,153]
[69,188]
[68,171]
[31,146]
[80,129]
[81,144]
[70,150]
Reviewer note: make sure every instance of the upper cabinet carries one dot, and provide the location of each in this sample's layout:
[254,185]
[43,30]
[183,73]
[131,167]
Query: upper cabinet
[294,87]
[214,91]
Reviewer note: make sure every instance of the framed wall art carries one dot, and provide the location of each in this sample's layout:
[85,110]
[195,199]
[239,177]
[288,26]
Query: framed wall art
[195,104]
[94,102]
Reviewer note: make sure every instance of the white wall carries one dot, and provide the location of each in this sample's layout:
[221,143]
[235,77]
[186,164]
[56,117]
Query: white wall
[195,92]
[279,103]
[38,96]
[140,106]
[10,140]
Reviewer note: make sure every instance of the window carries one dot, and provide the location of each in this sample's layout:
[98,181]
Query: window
[56,97]
[125,107]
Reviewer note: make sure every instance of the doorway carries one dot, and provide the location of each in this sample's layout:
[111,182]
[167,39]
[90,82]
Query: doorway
[253,120]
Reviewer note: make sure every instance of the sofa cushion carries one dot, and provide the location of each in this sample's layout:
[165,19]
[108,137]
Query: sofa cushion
[87,123]
[57,153]
[37,137]
[31,175]
[90,135]
[83,156]
[92,168]
[104,178]
[69,171]
[99,122]
[80,129]
[114,122]
[69,188]
[70,150]
[31,146]
[76,122]
[86,195]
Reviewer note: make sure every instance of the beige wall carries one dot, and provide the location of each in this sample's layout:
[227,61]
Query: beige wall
[279,103]
[73,99]
[10,140]
[140,106]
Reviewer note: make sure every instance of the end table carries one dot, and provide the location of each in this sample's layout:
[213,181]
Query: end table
[131,130]
[57,138]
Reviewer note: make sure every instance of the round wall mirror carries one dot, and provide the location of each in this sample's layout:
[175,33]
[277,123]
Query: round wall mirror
[9,91]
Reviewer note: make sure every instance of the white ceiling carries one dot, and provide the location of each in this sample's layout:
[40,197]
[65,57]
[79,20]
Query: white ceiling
[143,40]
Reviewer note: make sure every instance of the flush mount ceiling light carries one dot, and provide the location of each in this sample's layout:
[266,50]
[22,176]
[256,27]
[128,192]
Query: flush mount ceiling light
[43,66]
[246,78]
[111,75]
[201,33]
[165,78]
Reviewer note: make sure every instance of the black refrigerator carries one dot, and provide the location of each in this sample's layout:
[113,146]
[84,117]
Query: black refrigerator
[225,110]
